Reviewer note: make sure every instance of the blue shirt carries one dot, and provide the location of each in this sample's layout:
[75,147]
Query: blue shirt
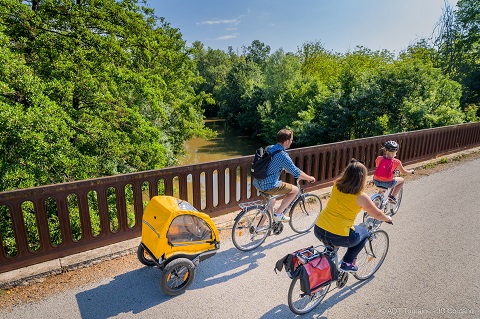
[280,161]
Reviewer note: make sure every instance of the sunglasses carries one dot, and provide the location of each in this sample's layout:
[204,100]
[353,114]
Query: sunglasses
[354,160]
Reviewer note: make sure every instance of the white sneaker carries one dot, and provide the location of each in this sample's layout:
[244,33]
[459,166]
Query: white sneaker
[281,218]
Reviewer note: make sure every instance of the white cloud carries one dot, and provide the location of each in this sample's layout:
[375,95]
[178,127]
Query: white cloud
[226,37]
[225,21]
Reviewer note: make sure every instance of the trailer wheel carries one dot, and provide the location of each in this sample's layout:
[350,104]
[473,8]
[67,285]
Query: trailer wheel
[144,257]
[177,276]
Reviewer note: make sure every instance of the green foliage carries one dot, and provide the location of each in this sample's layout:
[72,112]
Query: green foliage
[326,97]
[257,52]
[91,89]
[458,43]
[239,92]
[213,66]
[6,232]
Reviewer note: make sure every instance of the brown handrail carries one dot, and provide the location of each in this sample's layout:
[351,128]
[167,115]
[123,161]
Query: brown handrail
[214,188]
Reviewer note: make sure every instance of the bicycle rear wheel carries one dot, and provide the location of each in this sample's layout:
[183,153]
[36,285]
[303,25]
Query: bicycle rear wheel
[300,303]
[251,228]
[372,255]
[304,212]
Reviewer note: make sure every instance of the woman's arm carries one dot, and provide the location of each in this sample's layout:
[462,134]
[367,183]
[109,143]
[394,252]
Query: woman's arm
[366,203]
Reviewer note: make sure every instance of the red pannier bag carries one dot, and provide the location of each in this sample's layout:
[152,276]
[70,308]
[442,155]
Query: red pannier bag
[316,273]
[292,261]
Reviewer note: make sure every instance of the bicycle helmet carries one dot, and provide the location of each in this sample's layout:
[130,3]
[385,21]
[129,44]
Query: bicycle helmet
[391,146]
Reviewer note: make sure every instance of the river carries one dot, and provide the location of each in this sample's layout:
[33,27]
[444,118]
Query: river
[227,144]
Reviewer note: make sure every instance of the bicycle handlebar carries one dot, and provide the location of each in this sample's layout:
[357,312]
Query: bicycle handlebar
[297,181]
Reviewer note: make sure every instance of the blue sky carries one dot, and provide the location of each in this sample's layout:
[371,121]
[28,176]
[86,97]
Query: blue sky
[340,25]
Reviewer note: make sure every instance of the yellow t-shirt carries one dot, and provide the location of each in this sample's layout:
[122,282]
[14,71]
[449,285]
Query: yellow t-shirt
[339,215]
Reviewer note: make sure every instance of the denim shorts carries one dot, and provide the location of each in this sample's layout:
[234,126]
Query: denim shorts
[385,184]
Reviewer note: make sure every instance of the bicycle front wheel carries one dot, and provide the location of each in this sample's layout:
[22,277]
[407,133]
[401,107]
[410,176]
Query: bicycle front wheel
[369,221]
[304,212]
[301,303]
[251,227]
[391,208]
[372,255]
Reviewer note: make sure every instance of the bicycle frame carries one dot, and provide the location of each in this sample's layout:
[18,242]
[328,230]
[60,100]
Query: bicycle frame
[332,252]
[383,193]
[255,221]
[268,204]
[271,198]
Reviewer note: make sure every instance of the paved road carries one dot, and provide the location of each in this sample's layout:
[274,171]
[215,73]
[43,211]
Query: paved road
[431,271]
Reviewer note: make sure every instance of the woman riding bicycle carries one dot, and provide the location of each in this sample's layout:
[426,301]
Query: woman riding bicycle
[334,225]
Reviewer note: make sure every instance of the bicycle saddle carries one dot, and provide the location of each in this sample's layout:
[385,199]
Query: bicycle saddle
[329,246]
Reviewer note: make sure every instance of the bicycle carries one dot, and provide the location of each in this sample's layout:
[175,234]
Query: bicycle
[368,262]
[382,201]
[254,222]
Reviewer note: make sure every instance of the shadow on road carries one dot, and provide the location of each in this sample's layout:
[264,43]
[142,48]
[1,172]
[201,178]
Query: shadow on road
[134,291]
[283,311]
[139,290]
[233,263]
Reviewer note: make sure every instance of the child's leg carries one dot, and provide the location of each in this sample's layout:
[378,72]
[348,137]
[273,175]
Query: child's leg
[398,186]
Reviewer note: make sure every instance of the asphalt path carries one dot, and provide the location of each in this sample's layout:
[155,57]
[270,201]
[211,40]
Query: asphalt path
[431,270]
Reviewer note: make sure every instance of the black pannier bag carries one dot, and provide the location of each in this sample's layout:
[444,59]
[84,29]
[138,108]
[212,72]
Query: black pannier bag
[261,161]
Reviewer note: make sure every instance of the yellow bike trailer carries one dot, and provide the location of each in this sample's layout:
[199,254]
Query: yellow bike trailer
[175,238]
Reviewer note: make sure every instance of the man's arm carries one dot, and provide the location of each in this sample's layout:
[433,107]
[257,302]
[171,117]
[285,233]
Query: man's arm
[290,167]
[306,177]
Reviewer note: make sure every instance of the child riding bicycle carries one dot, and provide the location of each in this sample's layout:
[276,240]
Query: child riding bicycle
[385,166]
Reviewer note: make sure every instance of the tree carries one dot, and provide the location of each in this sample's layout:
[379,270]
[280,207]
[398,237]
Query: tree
[213,66]
[457,41]
[446,34]
[257,52]
[242,83]
[468,17]
[117,82]
[320,63]
[376,95]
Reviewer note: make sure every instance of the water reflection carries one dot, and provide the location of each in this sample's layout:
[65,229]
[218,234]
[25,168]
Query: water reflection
[227,144]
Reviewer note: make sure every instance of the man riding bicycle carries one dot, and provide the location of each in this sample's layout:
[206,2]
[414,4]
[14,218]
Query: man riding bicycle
[272,184]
